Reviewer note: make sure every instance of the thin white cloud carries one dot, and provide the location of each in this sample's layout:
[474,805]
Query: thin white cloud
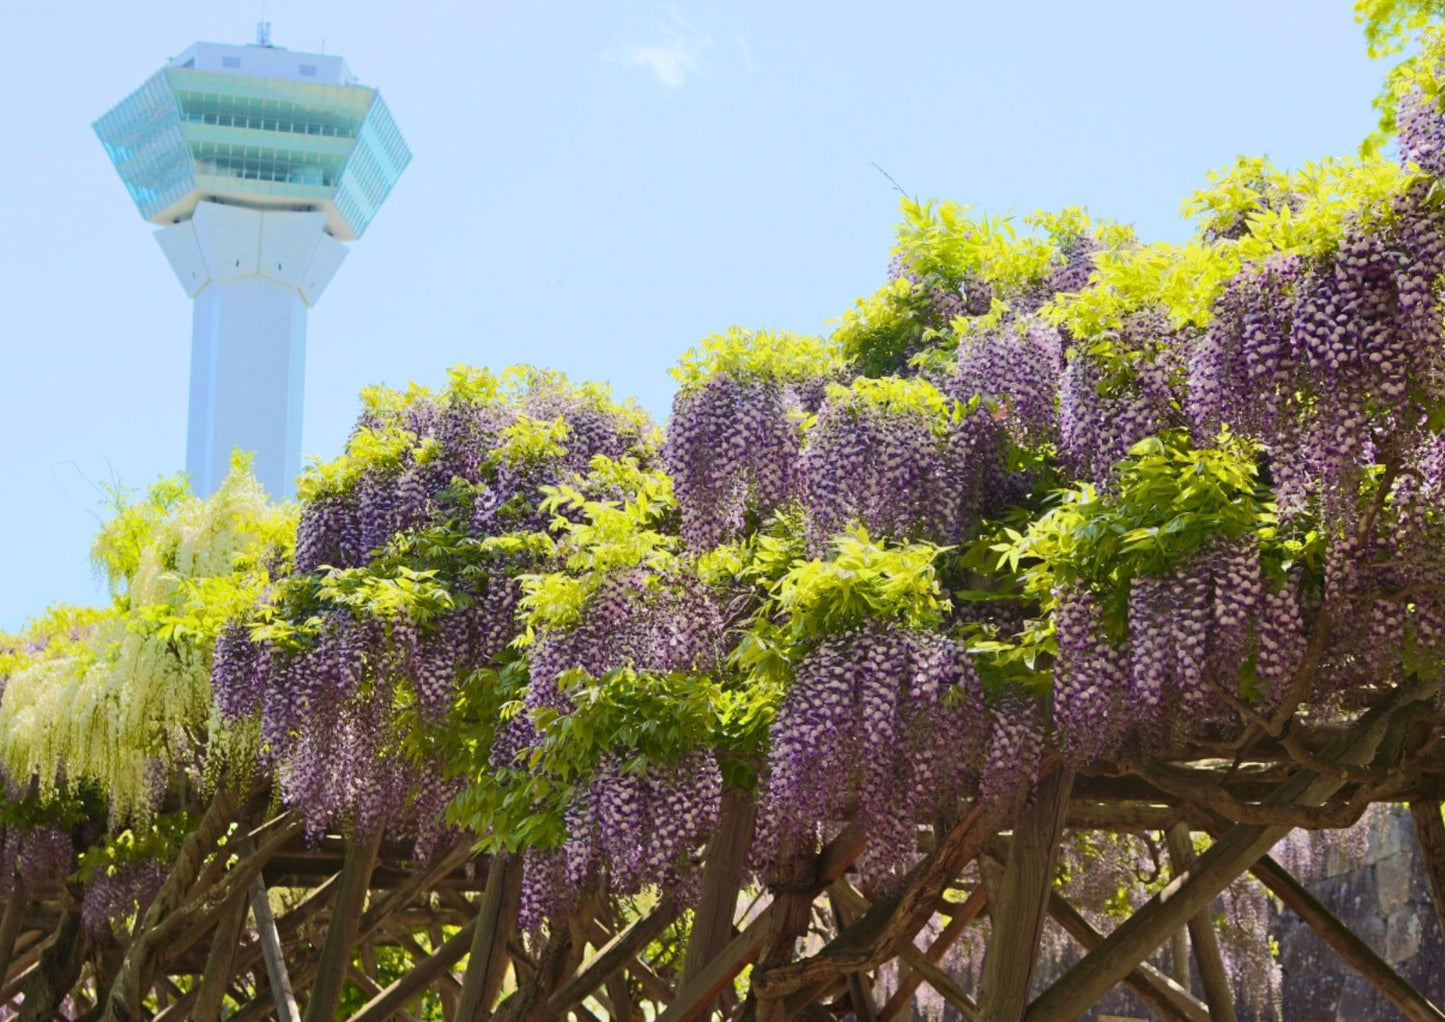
[673,54]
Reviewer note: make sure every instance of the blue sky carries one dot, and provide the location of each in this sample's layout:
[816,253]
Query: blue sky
[597,185]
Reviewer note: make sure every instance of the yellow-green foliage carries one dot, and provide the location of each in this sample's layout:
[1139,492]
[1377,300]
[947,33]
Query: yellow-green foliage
[774,355]
[386,441]
[1301,213]
[106,696]
[1393,26]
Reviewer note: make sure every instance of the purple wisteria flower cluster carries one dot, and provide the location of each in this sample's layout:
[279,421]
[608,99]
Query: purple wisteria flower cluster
[731,450]
[885,722]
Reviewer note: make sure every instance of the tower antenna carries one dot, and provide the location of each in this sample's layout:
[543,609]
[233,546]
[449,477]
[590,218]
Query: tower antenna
[263,28]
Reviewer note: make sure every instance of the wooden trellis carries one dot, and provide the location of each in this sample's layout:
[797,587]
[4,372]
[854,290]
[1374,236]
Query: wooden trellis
[814,943]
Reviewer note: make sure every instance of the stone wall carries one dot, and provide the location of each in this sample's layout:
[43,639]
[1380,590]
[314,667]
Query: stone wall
[1386,901]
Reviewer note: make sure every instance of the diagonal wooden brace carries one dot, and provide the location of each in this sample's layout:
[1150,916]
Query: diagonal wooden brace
[1191,892]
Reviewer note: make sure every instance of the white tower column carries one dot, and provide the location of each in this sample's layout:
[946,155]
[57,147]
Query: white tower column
[253,274]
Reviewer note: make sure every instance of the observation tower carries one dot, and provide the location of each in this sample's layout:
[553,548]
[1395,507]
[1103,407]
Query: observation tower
[258,163]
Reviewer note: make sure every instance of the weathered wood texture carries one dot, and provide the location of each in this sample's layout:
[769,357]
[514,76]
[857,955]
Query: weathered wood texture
[1430,834]
[496,920]
[1018,920]
[387,1002]
[341,934]
[1148,928]
[1212,976]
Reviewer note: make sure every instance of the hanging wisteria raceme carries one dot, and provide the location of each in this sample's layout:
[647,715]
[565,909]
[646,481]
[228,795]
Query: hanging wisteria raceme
[1422,132]
[1093,704]
[891,721]
[1015,747]
[731,450]
[328,533]
[642,827]
[1015,368]
[1195,629]
[1246,371]
[546,893]
[112,897]
[890,456]
[39,857]
[1101,417]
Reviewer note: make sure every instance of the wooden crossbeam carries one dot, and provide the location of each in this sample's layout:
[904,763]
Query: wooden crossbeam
[947,937]
[891,921]
[133,979]
[1160,992]
[251,954]
[652,984]
[371,920]
[609,958]
[389,1001]
[413,947]
[925,966]
[254,859]
[1133,940]
[371,988]
[282,995]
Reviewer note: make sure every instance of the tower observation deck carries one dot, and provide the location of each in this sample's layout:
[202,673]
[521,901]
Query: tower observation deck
[258,163]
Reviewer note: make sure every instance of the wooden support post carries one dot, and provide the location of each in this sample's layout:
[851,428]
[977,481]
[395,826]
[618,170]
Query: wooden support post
[1430,834]
[220,961]
[341,933]
[1132,940]
[611,956]
[1352,949]
[10,922]
[273,953]
[860,991]
[1018,921]
[960,922]
[487,960]
[722,876]
[56,972]
[793,912]
[696,996]
[1212,977]
[389,1001]
[892,921]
